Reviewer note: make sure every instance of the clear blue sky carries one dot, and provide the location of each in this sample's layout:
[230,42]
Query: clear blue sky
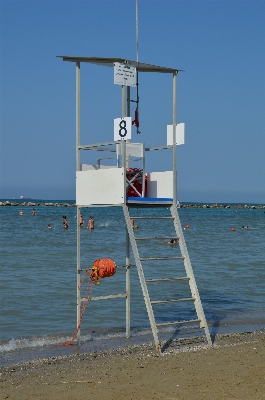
[221,94]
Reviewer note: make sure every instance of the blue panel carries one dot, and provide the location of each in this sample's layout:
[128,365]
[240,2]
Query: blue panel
[147,199]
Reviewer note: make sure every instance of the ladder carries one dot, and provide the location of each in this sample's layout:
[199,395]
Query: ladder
[195,297]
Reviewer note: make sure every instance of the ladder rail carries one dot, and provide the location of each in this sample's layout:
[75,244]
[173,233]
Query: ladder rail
[141,278]
[157,238]
[161,258]
[181,278]
[179,322]
[172,300]
[111,296]
[189,272]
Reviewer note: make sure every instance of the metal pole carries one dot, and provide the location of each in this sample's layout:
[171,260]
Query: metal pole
[128,287]
[137,30]
[143,176]
[78,295]
[137,59]
[128,101]
[125,164]
[123,101]
[174,139]
[128,112]
[77,115]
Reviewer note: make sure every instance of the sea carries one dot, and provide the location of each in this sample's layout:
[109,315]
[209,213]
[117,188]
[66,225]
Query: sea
[38,277]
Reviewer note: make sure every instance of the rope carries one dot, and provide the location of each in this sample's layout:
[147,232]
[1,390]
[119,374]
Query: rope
[117,266]
[94,280]
[89,287]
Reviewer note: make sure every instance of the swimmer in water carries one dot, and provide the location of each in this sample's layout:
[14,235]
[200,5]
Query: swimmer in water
[65,222]
[132,223]
[21,213]
[81,220]
[173,241]
[49,226]
[91,224]
[33,212]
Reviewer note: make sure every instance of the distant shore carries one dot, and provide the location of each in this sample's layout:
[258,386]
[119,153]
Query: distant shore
[188,369]
[195,205]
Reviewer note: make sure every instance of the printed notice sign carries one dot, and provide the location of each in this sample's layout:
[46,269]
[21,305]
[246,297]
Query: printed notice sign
[124,74]
[122,128]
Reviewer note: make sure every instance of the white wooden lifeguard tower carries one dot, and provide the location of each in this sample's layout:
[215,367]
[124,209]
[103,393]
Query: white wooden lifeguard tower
[98,185]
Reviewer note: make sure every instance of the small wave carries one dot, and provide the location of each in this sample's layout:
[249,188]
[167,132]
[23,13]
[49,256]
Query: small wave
[107,223]
[34,342]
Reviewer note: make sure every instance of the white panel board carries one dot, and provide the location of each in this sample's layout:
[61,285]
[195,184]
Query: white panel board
[160,184]
[132,149]
[180,134]
[93,167]
[124,74]
[102,186]
[122,128]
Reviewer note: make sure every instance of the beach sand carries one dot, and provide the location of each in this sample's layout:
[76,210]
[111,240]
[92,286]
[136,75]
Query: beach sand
[234,368]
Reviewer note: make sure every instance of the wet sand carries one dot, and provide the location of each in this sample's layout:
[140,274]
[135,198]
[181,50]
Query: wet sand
[233,368]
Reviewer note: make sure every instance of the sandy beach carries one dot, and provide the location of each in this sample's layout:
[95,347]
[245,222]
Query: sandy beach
[233,368]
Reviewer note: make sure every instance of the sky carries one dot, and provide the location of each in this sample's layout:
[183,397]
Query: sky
[220,46]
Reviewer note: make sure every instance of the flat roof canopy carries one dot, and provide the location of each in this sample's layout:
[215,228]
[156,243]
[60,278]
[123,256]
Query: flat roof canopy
[108,62]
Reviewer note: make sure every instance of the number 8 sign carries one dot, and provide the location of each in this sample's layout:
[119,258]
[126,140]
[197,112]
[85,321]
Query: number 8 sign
[122,128]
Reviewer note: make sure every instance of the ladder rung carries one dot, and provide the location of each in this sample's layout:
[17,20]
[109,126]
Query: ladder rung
[157,237]
[168,279]
[162,258]
[152,217]
[172,300]
[112,296]
[179,322]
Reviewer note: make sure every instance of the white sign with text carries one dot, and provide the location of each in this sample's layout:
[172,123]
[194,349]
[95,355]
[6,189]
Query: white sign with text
[122,128]
[124,74]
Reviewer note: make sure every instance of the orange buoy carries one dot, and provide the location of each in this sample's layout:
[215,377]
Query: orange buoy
[233,229]
[102,268]
[187,226]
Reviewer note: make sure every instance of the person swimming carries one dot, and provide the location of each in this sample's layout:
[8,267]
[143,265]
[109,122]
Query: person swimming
[173,241]
[49,226]
[65,222]
[133,225]
[91,224]
[81,220]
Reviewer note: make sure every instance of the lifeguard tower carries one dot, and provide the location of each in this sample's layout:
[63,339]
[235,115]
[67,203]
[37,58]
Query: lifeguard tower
[120,185]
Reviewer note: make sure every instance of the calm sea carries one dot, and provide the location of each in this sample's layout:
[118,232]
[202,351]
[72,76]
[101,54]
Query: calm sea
[38,277]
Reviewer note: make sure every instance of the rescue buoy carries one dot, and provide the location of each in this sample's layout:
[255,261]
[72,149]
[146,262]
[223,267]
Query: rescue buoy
[233,229]
[102,268]
[187,226]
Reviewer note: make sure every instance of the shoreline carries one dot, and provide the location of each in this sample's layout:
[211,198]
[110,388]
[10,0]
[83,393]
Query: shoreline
[188,369]
[191,205]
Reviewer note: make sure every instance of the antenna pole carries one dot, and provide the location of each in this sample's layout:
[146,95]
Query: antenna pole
[137,84]
[137,30]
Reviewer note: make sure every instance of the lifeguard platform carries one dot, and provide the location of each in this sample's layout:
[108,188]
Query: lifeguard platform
[129,188]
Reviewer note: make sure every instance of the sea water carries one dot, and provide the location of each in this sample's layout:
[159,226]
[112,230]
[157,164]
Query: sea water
[38,276]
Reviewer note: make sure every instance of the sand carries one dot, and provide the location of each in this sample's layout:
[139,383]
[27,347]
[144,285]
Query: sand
[233,368]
